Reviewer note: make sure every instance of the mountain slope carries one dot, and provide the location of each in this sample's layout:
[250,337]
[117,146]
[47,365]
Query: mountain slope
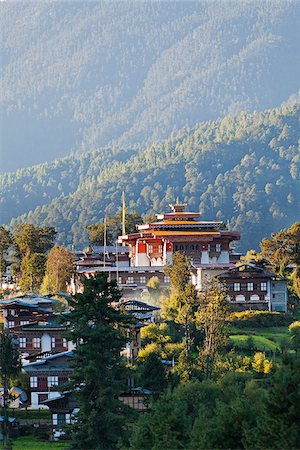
[245,169]
[79,75]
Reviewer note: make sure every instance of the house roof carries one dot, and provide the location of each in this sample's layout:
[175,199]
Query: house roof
[28,301]
[100,249]
[42,362]
[247,270]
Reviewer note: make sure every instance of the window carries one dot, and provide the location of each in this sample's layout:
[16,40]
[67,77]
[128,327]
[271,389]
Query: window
[12,312]
[33,382]
[36,342]
[24,322]
[22,342]
[218,247]
[65,343]
[11,324]
[61,419]
[263,286]
[208,247]
[236,287]
[150,248]
[42,397]
[52,381]
[142,279]
[130,280]
[176,247]
[249,286]
[166,279]
[53,342]
[160,249]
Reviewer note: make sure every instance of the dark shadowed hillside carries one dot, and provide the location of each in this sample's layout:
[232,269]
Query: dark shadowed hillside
[79,75]
[245,169]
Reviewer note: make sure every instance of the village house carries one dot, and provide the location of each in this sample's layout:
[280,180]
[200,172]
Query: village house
[43,337]
[63,409]
[252,287]
[45,375]
[25,309]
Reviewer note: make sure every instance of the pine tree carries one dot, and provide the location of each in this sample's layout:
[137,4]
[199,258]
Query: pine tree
[153,373]
[99,372]
[10,366]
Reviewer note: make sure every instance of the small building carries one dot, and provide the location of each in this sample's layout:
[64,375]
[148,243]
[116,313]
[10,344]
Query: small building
[25,309]
[45,375]
[41,337]
[137,398]
[252,287]
[63,409]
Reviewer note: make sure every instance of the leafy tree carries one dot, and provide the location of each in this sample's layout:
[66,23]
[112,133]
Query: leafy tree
[98,376]
[201,415]
[26,238]
[31,239]
[33,271]
[10,367]
[96,234]
[283,248]
[294,329]
[59,270]
[261,364]
[5,242]
[210,318]
[182,303]
[278,425]
[113,227]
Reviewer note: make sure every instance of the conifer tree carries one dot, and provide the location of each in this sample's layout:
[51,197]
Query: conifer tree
[10,366]
[99,374]
[153,373]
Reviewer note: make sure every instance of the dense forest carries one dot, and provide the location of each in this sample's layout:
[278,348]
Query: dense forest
[243,169]
[80,75]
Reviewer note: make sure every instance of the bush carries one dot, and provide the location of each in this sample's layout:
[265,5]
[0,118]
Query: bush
[259,319]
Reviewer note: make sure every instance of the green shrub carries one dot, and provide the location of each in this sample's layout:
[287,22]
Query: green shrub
[259,319]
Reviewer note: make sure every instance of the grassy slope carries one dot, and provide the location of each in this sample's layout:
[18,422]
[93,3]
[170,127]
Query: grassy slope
[30,443]
[264,339]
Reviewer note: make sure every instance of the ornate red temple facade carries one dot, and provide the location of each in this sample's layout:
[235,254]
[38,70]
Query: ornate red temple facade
[206,243]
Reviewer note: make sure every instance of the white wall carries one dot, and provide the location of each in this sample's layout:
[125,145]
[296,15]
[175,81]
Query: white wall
[46,343]
[141,259]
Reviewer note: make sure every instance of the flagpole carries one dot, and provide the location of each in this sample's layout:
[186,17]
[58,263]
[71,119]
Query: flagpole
[123,214]
[104,243]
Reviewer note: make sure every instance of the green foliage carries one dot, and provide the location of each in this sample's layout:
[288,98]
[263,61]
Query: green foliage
[217,168]
[261,364]
[278,425]
[294,329]
[5,242]
[259,319]
[30,239]
[152,374]
[33,271]
[98,376]
[59,270]
[201,415]
[158,333]
[211,319]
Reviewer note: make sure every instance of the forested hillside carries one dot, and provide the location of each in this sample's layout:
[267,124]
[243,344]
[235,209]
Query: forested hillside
[244,169]
[80,75]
